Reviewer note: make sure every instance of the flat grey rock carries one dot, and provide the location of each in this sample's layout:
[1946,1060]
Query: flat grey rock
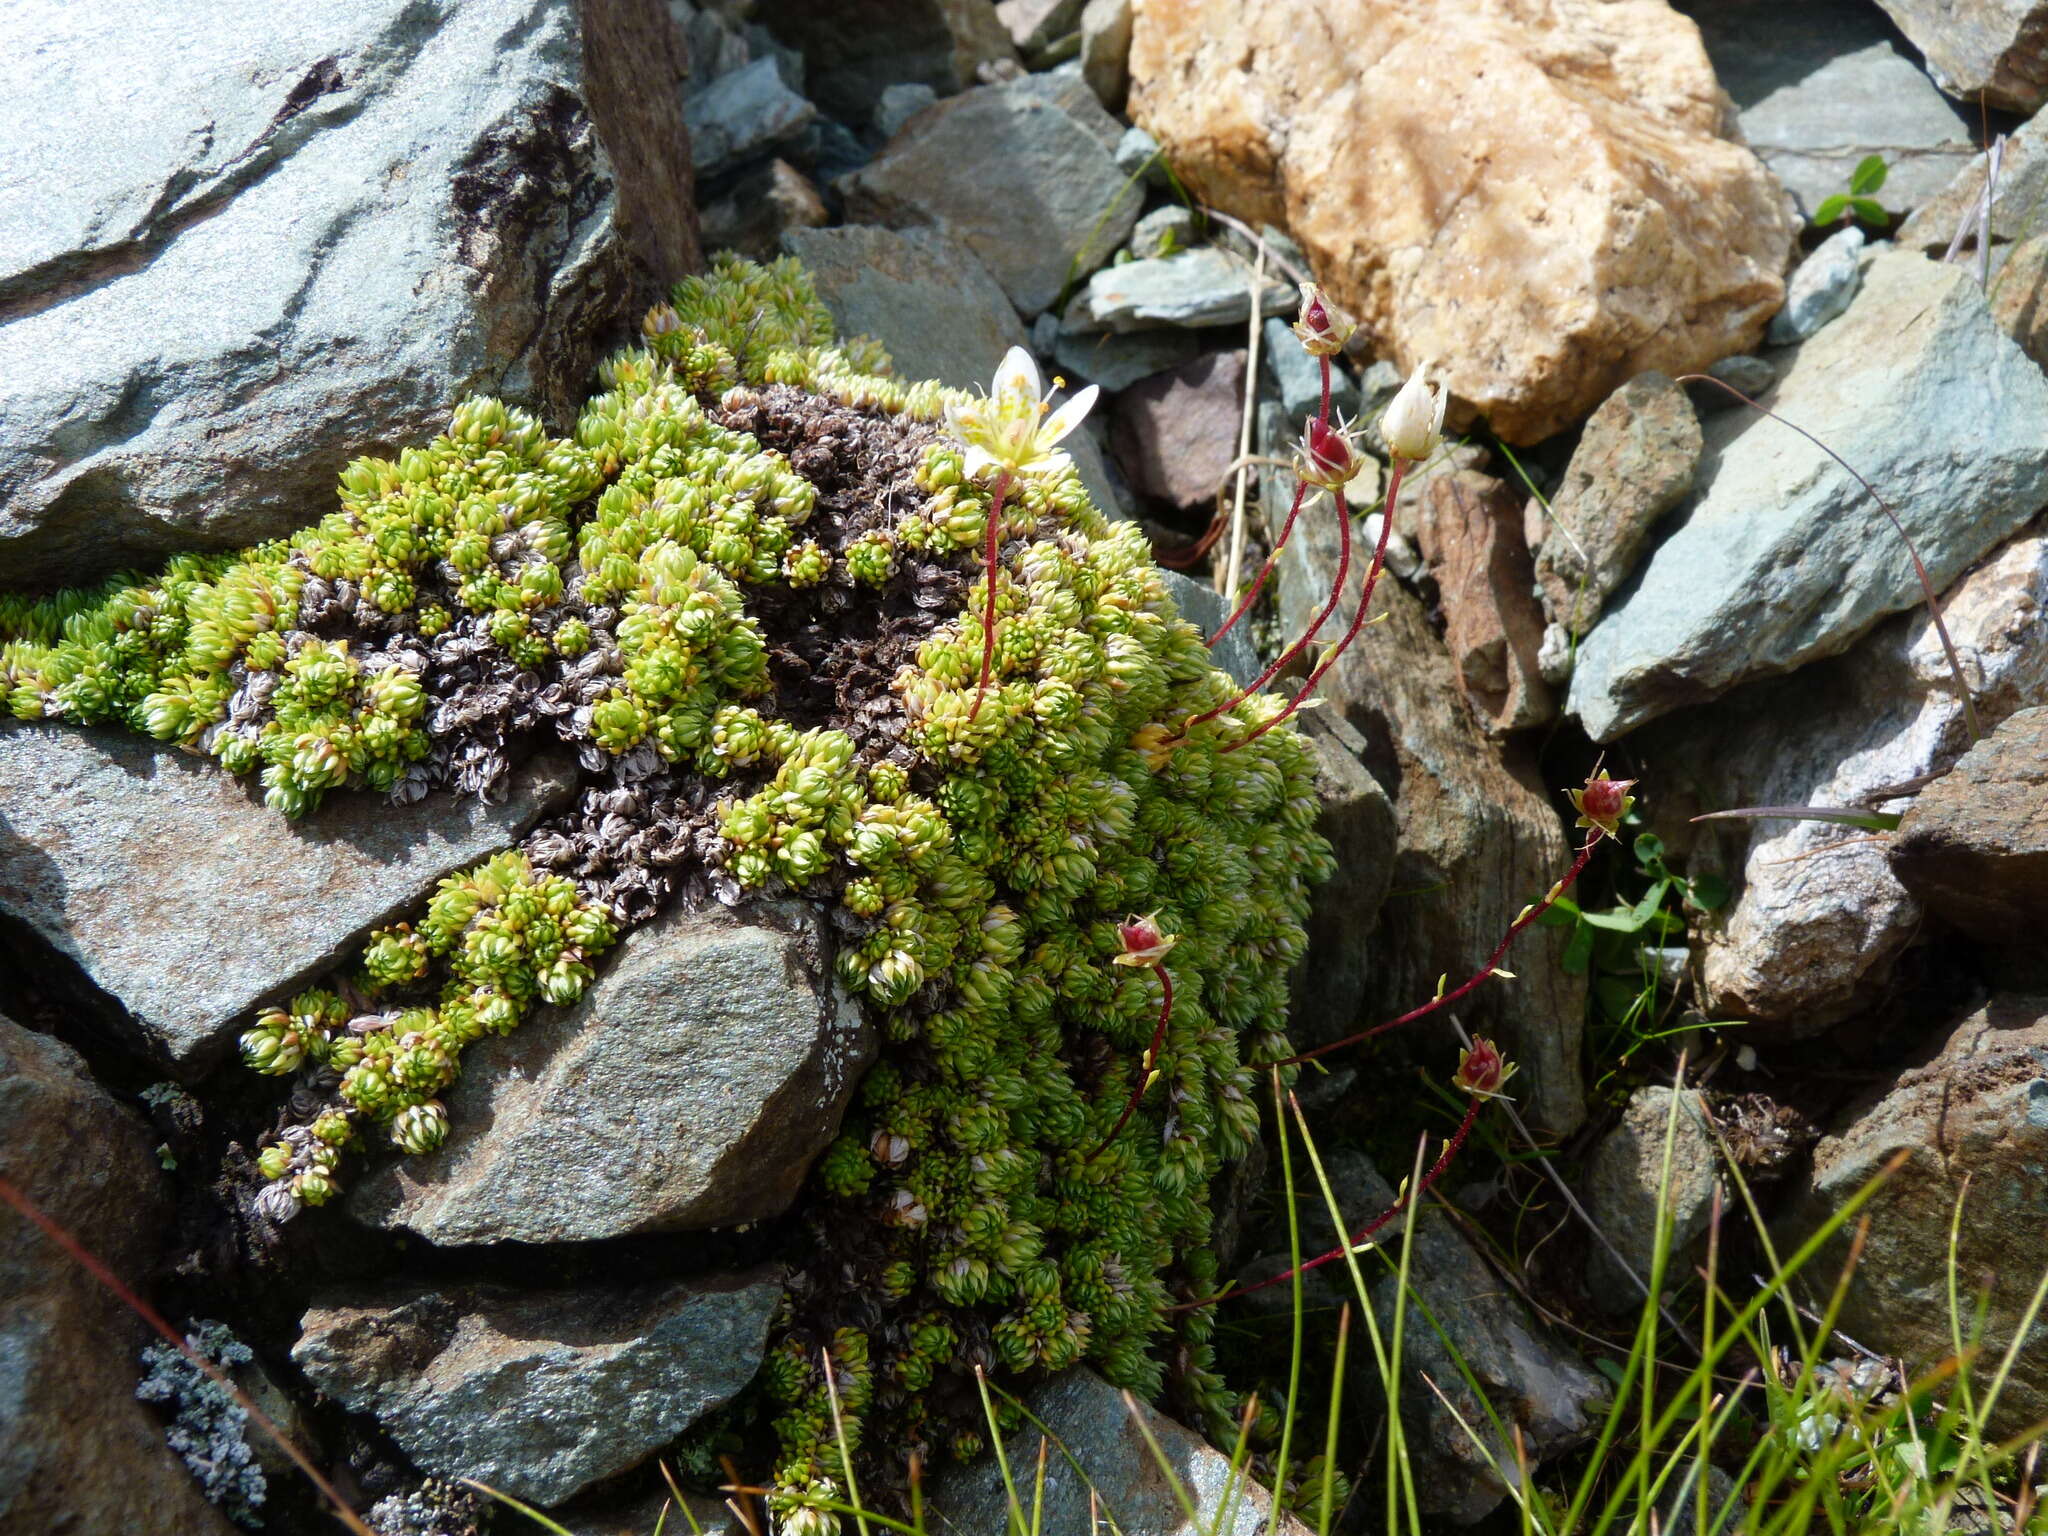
[741,115]
[899,104]
[1192,289]
[540,1394]
[1048,208]
[1162,232]
[1539,1396]
[305,233]
[1819,919]
[690,1087]
[1117,362]
[919,292]
[1820,85]
[1627,1187]
[1780,557]
[173,895]
[1203,606]
[1101,1435]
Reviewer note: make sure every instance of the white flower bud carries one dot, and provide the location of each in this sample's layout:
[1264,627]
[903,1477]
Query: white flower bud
[1414,423]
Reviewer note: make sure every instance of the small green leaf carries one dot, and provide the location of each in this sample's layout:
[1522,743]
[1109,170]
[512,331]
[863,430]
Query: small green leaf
[1649,846]
[1652,900]
[1620,920]
[1831,209]
[1868,176]
[1709,893]
[1869,210]
[1561,913]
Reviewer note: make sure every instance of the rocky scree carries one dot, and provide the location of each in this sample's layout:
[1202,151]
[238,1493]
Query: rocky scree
[745,593]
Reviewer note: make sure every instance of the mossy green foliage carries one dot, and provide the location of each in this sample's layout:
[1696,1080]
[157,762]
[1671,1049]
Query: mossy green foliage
[986,875]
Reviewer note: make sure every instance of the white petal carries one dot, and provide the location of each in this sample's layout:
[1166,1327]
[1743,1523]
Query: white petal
[1048,464]
[979,459]
[1017,377]
[1068,416]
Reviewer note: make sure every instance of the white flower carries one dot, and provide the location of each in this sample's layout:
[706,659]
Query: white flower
[1010,429]
[1414,424]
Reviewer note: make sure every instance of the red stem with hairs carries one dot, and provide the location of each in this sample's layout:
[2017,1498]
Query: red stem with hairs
[1286,528]
[988,613]
[1145,1066]
[1364,1233]
[1492,962]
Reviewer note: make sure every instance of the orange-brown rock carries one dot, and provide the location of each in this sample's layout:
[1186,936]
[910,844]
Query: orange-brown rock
[1535,194]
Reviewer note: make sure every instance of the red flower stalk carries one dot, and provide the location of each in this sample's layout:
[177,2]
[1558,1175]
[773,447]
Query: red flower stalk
[1481,1072]
[1607,796]
[988,612]
[1143,946]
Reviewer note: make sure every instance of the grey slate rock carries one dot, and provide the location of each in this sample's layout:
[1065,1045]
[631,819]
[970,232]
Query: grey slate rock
[741,115]
[1627,1187]
[1820,85]
[899,104]
[1163,231]
[1819,918]
[1331,983]
[1460,1318]
[1192,289]
[1137,154]
[1101,1436]
[1203,606]
[1050,204]
[1116,362]
[691,1086]
[1780,557]
[307,232]
[1298,380]
[1993,50]
[78,1453]
[920,293]
[856,49]
[1821,289]
[1634,462]
[540,1394]
[1754,376]
[172,895]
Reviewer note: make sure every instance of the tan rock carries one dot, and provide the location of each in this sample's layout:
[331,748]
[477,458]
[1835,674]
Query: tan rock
[1534,193]
[1471,535]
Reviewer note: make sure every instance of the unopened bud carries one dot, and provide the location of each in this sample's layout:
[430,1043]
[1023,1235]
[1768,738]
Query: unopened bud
[1144,944]
[1603,802]
[1482,1071]
[1323,328]
[1413,425]
[1327,457]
